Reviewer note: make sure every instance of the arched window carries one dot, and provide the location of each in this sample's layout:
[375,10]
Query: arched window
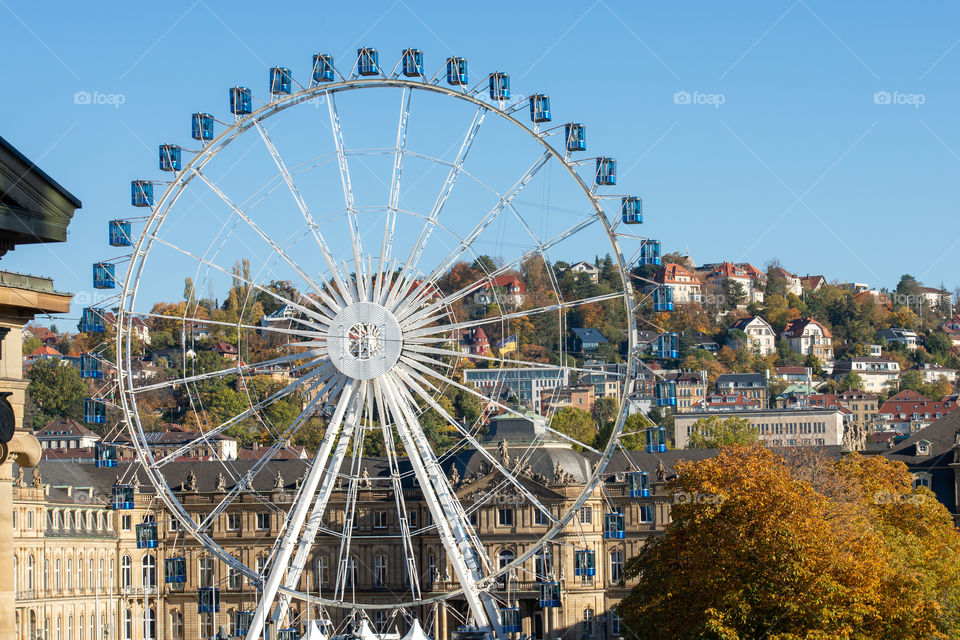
[69,627]
[149,571]
[176,625]
[80,627]
[56,574]
[128,625]
[30,576]
[351,577]
[16,573]
[543,564]
[126,571]
[380,571]
[150,624]
[80,573]
[588,624]
[100,577]
[69,574]
[33,623]
[59,628]
[505,557]
[90,575]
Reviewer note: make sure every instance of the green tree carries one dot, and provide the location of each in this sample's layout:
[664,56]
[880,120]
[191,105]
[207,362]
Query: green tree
[30,345]
[575,423]
[604,411]
[467,407]
[852,381]
[713,432]
[55,390]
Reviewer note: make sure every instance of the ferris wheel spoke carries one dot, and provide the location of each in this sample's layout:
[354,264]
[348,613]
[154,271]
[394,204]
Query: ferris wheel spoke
[305,212]
[390,220]
[462,552]
[294,522]
[430,330]
[487,220]
[344,559]
[236,325]
[273,245]
[415,385]
[475,356]
[345,183]
[431,221]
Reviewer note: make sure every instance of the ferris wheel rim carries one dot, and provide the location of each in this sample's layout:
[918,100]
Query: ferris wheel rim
[191,170]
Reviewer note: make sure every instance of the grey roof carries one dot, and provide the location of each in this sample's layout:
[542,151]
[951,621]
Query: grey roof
[589,335]
[941,434]
[740,380]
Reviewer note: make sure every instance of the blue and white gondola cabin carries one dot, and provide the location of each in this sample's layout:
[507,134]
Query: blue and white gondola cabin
[668,345]
[663,299]
[122,496]
[241,101]
[549,594]
[208,600]
[606,172]
[575,135]
[614,526]
[103,276]
[499,86]
[540,108]
[170,157]
[119,232]
[141,193]
[457,71]
[94,411]
[175,570]
[368,62]
[584,562]
[631,210]
[288,634]
[666,393]
[650,253]
[511,620]
[104,455]
[147,535]
[201,127]
[91,320]
[244,620]
[90,366]
[322,68]
[656,439]
[412,63]
[638,484]
[280,80]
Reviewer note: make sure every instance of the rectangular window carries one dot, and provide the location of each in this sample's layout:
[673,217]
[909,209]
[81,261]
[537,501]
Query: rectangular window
[125,523]
[233,521]
[586,515]
[206,572]
[263,521]
[13,520]
[505,517]
[412,518]
[474,519]
[646,513]
[379,519]
[616,566]
[539,517]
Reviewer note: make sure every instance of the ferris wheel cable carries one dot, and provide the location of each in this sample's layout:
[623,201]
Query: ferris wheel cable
[277,250]
[407,377]
[235,325]
[305,212]
[475,356]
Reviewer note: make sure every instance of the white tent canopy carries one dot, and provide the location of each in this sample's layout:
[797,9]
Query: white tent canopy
[416,632]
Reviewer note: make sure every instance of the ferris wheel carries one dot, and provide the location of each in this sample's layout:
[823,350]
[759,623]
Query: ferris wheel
[375,257]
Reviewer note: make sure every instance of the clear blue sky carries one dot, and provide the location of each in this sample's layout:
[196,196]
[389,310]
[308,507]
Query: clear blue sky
[803,161]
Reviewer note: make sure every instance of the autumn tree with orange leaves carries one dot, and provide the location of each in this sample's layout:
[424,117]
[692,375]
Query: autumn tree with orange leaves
[799,548]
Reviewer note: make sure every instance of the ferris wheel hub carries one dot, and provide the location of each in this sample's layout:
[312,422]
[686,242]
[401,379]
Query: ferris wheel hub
[364,340]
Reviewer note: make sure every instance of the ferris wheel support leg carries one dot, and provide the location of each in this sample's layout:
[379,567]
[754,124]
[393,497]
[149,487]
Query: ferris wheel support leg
[441,501]
[296,518]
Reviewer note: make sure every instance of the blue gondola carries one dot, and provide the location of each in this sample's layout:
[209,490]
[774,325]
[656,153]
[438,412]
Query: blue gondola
[540,108]
[141,193]
[510,620]
[201,126]
[457,71]
[169,157]
[413,63]
[94,411]
[584,562]
[104,455]
[288,634]
[147,535]
[549,594]
[499,86]
[122,496]
[656,439]
[663,299]
[322,68]
[91,320]
[638,483]
[368,62]
[631,210]
[208,600]
[668,345]
[650,253]
[606,171]
[614,526]
[280,80]
[666,393]
[119,232]
[244,620]
[175,570]
[575,135]
[103,276]
[90,366]
[241,102]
